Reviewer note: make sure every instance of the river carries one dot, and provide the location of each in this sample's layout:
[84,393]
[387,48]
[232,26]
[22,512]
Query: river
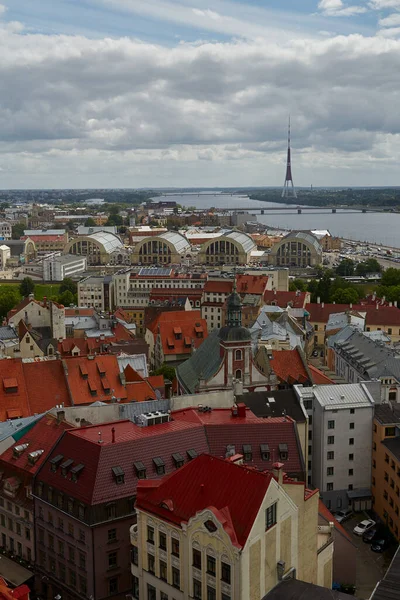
[381,228]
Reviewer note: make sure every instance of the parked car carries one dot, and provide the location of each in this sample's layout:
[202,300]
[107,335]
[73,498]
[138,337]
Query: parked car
[380,545]
[363,526]
[368,536]
[343,515]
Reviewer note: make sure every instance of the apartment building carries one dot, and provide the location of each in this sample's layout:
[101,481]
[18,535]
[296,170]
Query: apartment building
[47,240]
[340,444]
[5,230]
[57,266]
[39,314]
[215,529]
[386,465]
[96,292]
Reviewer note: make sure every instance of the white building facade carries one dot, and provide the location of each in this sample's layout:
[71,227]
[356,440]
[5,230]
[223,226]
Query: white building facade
[57,266]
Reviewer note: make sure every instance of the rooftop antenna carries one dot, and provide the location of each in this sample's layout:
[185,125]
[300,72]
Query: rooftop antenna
[288,187]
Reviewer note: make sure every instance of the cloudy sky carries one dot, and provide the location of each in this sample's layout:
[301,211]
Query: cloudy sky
[140,93]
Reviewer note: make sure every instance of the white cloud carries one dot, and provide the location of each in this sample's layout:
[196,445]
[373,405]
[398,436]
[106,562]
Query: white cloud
[120,112]
[390,21]
[384,4]
[210,14]
[2,9]
[336,8]
[390,32]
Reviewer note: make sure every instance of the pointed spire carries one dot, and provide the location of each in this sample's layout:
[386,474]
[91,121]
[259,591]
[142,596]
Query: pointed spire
[287,190]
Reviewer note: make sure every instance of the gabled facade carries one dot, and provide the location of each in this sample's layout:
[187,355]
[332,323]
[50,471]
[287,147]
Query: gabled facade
[39,314]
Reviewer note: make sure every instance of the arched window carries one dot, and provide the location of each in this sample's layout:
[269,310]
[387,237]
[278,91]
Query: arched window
[238,355]
[238,374]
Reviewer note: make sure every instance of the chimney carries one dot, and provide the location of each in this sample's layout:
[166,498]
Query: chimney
[60,416]
[351,305]
[241,410]
[280,569]
[323,304]
[277,471]
[113,435]
[390,303]
[377,306]
[31,296]
[395,303]
[45,301]
[319,300]
[100,440]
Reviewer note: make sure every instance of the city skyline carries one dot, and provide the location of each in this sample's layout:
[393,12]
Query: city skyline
[120,93]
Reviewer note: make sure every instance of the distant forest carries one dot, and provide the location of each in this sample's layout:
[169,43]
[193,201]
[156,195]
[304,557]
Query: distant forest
[365,197]
[121,196]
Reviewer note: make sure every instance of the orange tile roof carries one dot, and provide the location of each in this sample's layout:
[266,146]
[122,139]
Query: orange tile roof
[140,391]
[328,516]
[282,299]
[289,367]
[187,321]
[13,399]
[46,385]
[375,314]
[319,377]
[79,312]
[82,371]
[251,284]
[218,287]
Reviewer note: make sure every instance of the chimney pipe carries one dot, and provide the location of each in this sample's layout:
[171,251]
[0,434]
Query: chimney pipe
[319,300]
[60,416]
[113,435]
[277,470]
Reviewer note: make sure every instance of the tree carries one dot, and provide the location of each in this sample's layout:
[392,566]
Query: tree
[298,284]
[90,222]
[391,277]
[17,231]
[167,371]
[345,296]
[9,297]
[114,220]
[345,267]
[68,285]
[27,287]
[66,298]
[368,266]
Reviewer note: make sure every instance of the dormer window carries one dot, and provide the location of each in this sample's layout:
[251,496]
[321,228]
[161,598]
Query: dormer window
[247,452]
[34,456]
[264,451]
[84,372]
[140,469]
[159,465]
[178,459]
[10,385]
[191,453]
[178,333]
[283,452]
[76,471]
[65,466]
[54,462]
[119,475]
[18,450]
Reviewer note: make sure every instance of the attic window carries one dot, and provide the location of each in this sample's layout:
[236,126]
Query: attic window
[178,459]
[160,465]
[55,462]
[119,475]
[18,450]
[76,471]
[92,387]
[84,372]
[188,342]
[264,451]
[10,385]
[101,369]
[34,456]
[283,452]
[178,333]
[191,453]
[65,466]
[210,526]
[170,343]
[140,469]
[106,385]
[247,452]
[198,330]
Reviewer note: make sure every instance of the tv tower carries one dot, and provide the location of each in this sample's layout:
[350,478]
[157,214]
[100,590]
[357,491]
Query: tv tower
[288,187]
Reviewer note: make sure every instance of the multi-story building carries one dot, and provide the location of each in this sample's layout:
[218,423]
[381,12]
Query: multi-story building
[39,315]
[386,465]
[5,230]
[98,247]
[18,465]
[86,489]
[167,248]
[57,266]
[215,292]
[47,240]
[298,249]
[215,529]
[230,248]
[96,292]
[5,254]
[340,443]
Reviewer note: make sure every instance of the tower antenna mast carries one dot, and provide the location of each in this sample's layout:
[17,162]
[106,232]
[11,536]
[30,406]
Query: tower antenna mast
[289,190]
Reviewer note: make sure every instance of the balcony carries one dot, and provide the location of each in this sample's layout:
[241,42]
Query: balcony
[134,534]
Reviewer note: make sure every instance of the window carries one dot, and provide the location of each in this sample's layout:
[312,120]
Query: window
[82,535]
[112,560]
[113,585]
[71,529]
[331,439]
[196,589]
[196,558]
[151,592]
[160,465]
[350,486]
[264,450]
[82,584]
[162,541]
[351,442]
[175,547]
[351,457]
[329,487]
[18,528]
[27,533]
[387,458]
[150,535]
[82,560]
[72,578]
[238,355]
[331,424]
[352,411]
[70,505]
[211,593]
[238,374]
[176,578]
[151,564]
[81,512]
[247,452]
[111,511]
[51,541]
[163,570]
[71,554]
[134,555]
[112,535]
[390,431]
[211,565]
[330,471]
[60,548]
[351,472]
[270,516]
[61,571]
[225,572]
[330,455]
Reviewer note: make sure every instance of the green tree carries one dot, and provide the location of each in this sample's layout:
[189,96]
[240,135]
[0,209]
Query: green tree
[345,296]
[114,220]
[9,297]
[27,286]
[368,266]
[66,298]
[298,284]
[17,231]
[345,267]
[90,222]
[391,277]
[68,285]
[167,371]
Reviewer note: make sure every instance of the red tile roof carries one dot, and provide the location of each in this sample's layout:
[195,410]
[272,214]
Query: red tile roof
[319,377]
[13,400]
[282,299]
[45,238]
[381,316]
[251,284]
[289,367]
[79,382]
[79,312]
[46,385]
[218,287]
[233,493]
[328,516]
[187,321]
